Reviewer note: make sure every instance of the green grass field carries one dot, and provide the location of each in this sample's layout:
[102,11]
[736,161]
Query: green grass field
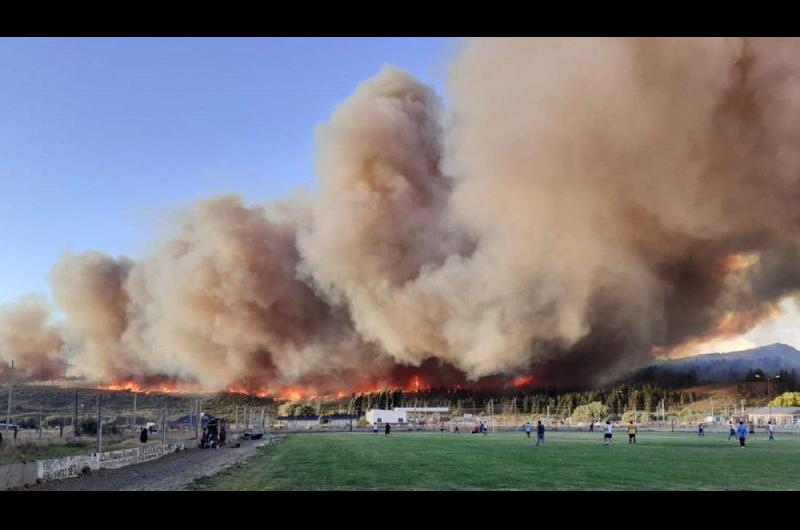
[509,461]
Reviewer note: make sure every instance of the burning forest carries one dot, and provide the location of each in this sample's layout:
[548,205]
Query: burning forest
[569,208]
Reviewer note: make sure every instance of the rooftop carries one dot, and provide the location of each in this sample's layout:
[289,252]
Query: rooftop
[777,410]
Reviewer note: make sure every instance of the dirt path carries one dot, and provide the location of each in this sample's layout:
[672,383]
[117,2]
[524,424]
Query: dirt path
[172,472]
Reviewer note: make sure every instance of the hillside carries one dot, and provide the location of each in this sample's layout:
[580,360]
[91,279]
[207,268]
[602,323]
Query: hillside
[733,366]
[56,402]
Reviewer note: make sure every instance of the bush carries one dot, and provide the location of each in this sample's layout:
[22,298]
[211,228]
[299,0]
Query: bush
[594,411]
[787,399]
[88,426]
[640,417]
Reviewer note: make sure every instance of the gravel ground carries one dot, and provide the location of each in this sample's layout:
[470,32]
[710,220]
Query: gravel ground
[169,473]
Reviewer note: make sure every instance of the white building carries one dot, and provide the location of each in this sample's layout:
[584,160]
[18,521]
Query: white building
[400,415]
[778,415]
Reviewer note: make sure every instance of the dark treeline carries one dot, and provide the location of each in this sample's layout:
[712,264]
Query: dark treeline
[645,396]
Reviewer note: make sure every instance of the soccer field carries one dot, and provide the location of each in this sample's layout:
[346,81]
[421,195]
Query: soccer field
[509,461]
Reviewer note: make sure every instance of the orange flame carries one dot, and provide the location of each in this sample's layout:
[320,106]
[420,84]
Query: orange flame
[416,385]
[133,386]
[525,380]
[129,386]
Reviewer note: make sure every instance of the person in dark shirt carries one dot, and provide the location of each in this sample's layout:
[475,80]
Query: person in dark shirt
[539,433]
[700,431]
[388,428]
[143,436]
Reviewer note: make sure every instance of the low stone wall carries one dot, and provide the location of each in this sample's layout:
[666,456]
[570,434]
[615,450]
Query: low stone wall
[69,466]
[135,455]
[28,473]
[18,475]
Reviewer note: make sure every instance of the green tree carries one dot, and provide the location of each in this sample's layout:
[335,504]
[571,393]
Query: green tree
[307,410]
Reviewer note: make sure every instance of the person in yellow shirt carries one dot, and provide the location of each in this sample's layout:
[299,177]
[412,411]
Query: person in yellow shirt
[631,433]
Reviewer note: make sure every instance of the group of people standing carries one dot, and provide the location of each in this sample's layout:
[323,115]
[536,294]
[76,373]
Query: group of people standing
[741,431]
[607,433]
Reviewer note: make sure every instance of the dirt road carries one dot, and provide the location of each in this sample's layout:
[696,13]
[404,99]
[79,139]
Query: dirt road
[173,472]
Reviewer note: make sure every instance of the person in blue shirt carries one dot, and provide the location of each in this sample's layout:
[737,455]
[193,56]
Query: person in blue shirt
[539,434]
[742,433]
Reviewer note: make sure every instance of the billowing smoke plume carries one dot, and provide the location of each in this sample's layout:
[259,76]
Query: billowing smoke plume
[28,337]
[577,205]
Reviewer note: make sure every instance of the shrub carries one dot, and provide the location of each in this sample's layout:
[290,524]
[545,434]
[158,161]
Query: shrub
[787,399]
[594,411]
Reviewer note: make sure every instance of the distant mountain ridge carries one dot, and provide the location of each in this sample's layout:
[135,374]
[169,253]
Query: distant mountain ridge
[732,366]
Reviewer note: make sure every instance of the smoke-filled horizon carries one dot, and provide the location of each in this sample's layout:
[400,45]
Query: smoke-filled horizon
[579,206]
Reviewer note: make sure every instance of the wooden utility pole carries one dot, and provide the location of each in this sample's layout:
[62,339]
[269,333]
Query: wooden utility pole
[197,418]
[10,386]
[75,431]
[262,419]
[99,426]
[133,422]
[164,423]
[39,422]
[236,416]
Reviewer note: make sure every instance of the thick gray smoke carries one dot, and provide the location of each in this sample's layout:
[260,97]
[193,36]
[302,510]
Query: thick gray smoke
[31,340]
[576,206]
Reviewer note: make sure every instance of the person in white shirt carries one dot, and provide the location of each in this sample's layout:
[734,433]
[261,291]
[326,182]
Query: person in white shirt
[528,429]
[771,430]
[607,435]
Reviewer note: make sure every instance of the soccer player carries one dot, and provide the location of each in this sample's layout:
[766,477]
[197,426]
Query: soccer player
[700,430]
[607,435]
[591,427]
[742,433]
[732,432]
[631,433]
[771,430]
[528,429]
[375,427]
[752,429]
[388,428]
[539,433]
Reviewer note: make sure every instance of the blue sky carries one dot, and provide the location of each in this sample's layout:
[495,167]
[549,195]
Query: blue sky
[100,139]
